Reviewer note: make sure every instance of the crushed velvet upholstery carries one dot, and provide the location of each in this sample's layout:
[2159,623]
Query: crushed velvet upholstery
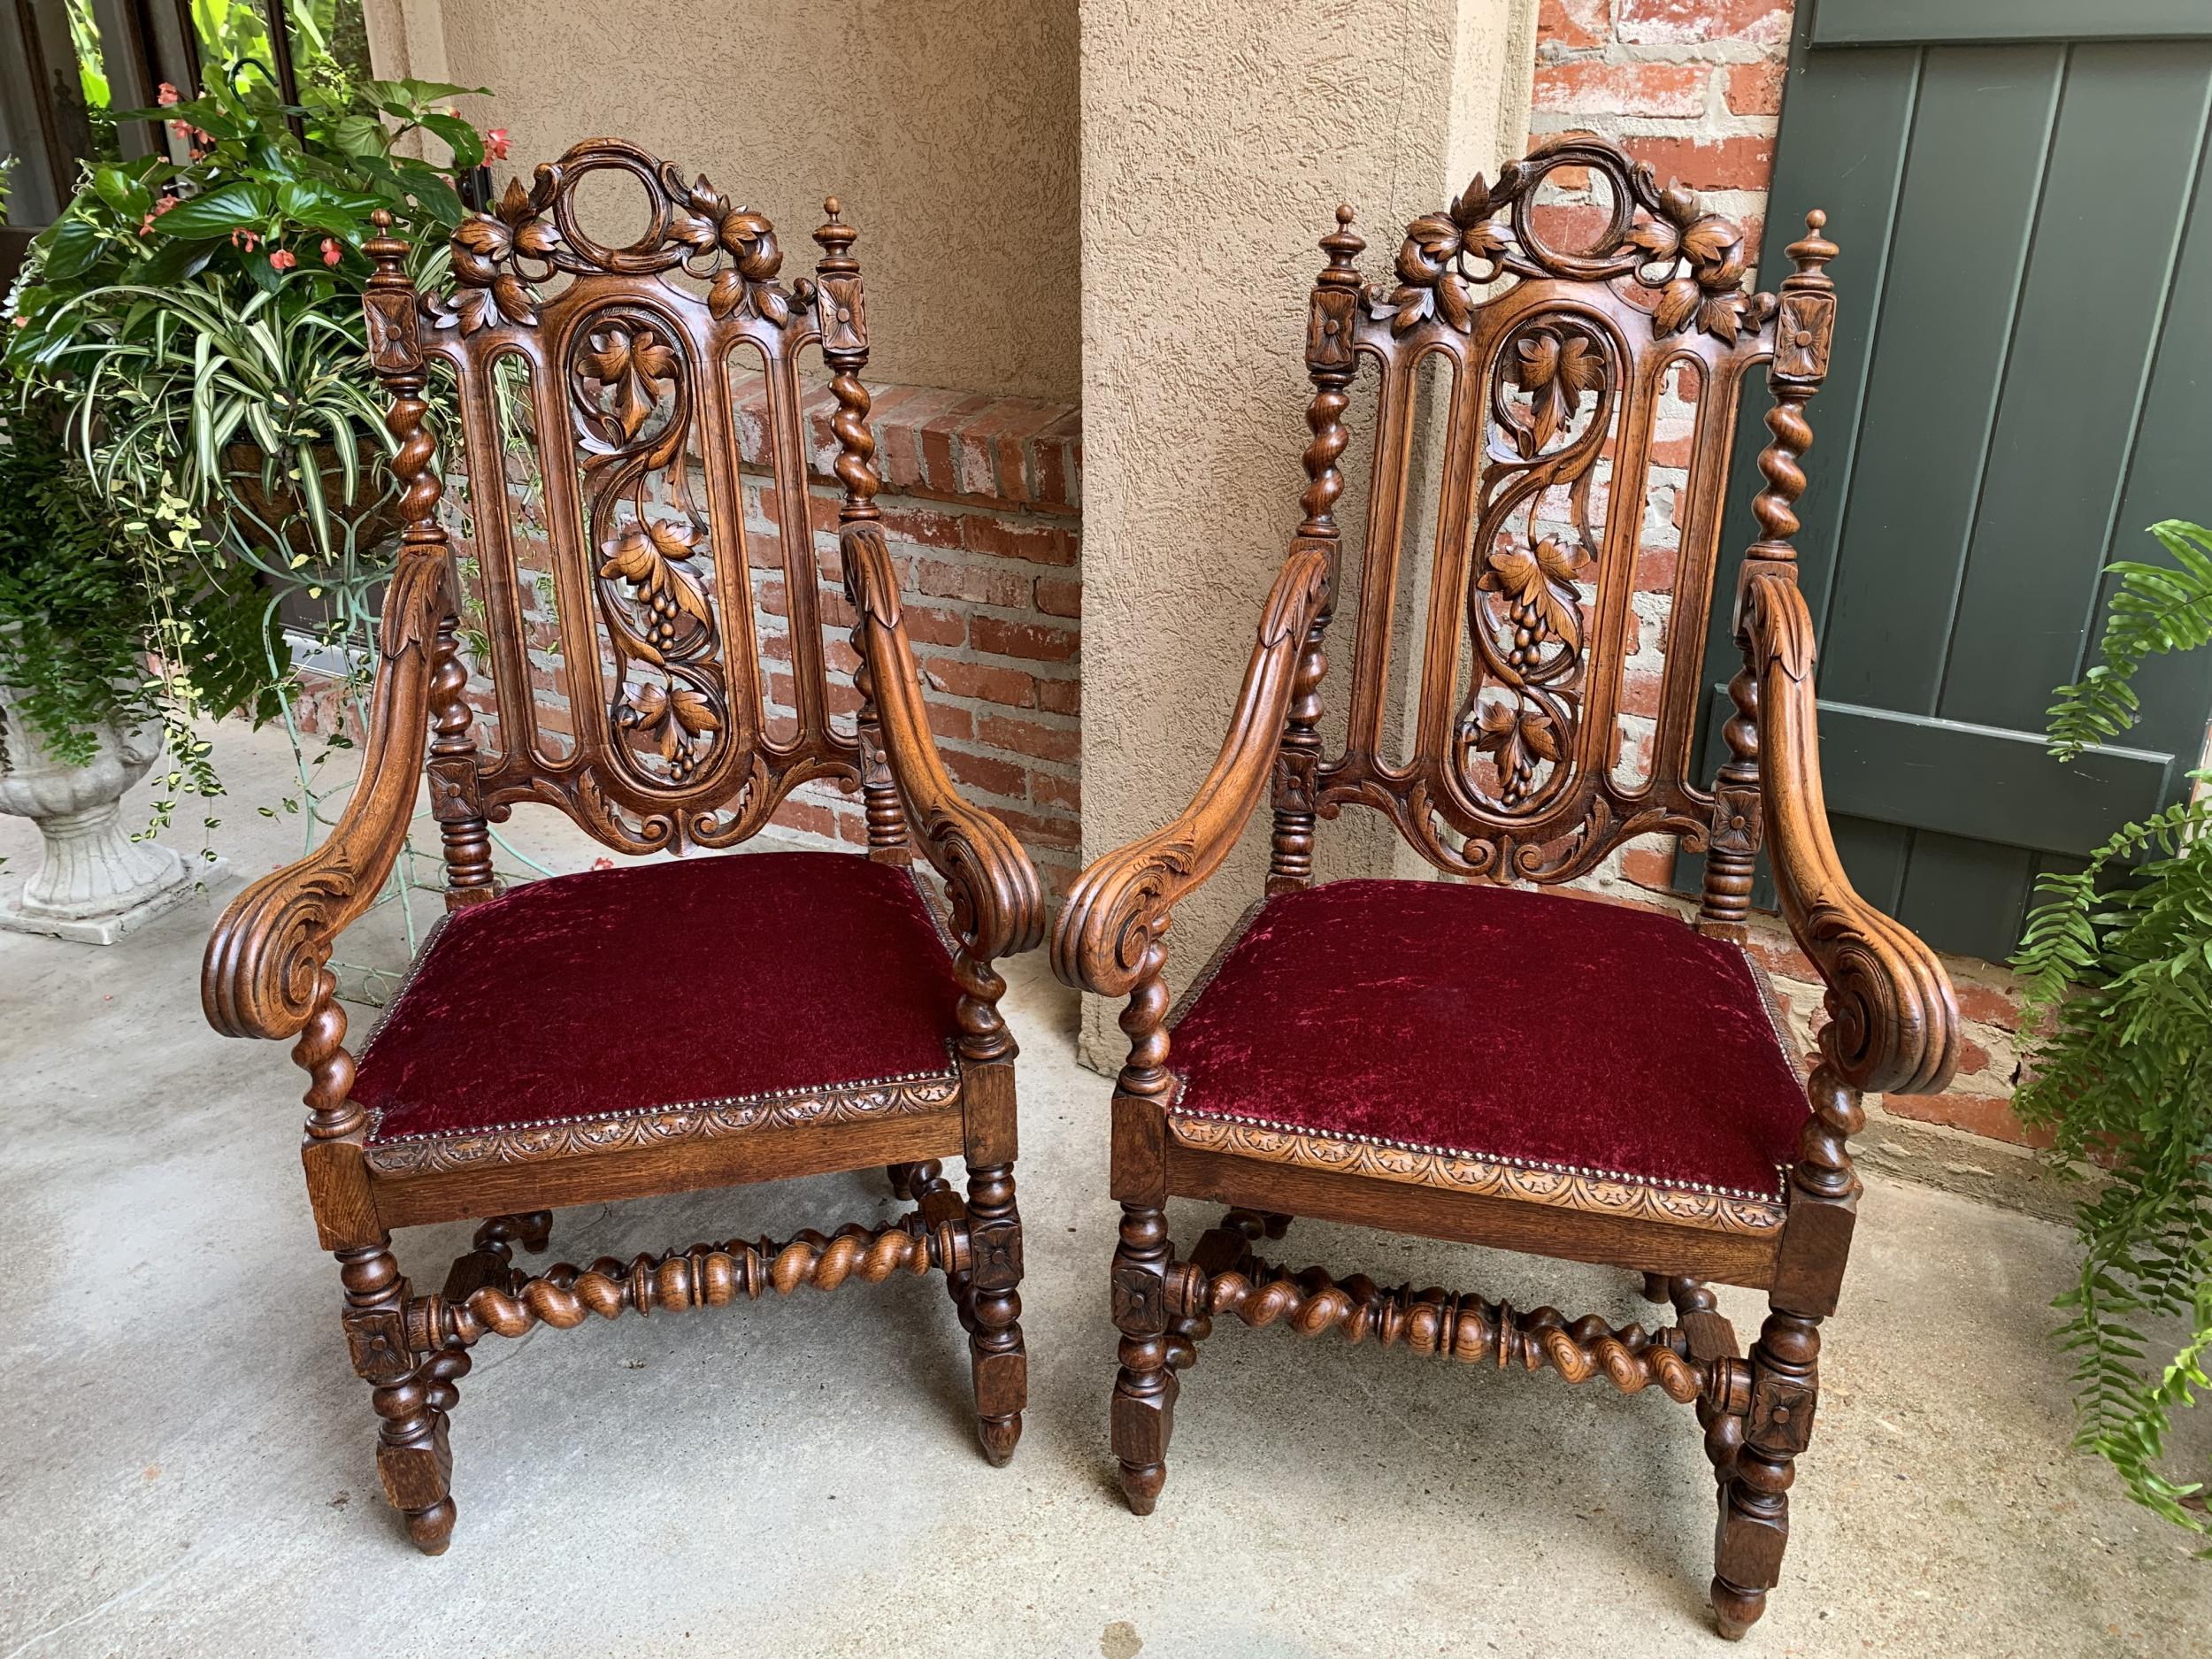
[1513,1026]
[704,978]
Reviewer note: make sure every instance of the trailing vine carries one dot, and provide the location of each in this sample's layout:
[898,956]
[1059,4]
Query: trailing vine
[2118,957]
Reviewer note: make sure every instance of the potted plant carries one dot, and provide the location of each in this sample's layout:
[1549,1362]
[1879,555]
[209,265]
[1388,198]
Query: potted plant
[2119,962]
[82,715]
[195,319]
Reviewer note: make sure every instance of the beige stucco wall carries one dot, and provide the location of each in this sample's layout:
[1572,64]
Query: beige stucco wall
[948,126]
[1217,136]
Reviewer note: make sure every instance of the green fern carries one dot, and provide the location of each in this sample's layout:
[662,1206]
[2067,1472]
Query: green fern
[2118,959]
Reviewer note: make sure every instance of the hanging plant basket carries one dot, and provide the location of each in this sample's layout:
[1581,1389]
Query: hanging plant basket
[278,524]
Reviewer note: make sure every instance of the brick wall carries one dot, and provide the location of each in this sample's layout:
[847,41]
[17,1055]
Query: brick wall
[1695,87]
[981,508]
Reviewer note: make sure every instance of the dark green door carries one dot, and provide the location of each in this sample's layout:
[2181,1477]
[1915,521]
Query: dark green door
[2022,381]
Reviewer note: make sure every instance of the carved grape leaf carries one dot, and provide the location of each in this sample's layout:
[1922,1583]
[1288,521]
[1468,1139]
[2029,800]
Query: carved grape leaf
[671,716]
[1538,585]
[635,364]
[1556,368]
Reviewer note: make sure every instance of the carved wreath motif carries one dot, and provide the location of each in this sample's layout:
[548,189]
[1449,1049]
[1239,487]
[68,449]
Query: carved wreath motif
[1691,262]
[500,257]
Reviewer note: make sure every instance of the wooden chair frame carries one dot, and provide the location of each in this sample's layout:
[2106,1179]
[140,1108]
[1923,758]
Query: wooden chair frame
[1663,284]
[720,777]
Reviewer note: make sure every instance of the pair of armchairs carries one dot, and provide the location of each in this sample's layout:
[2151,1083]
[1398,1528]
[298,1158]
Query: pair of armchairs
[1477,1060]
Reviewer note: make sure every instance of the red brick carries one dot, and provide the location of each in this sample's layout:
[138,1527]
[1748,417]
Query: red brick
[984,772]
[1694,22]
[922,525]
[1008,589]
[1029,737]
[1650,867]
[1640,692]
[1568,227]
[1756,88]
[1655,568]
[1777,953]
[1573,23]
[1060,696]
[1042,832]
[933,627]
[1587,87]
[947,721]
[1047,788]
[981,681]
[805,815]
[1987,1114]
[1716,164]
[1024,638]
[1990,1007]
[1039,543]
[1060,595]
[940,443]
[1973,1058]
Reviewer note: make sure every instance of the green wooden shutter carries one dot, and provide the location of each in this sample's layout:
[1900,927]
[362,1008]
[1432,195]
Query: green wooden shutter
[2022,380]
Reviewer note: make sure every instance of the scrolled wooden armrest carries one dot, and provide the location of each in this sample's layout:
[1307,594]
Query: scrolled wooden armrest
[266,958]
[997,904]
[1122,903]
[1895,1020]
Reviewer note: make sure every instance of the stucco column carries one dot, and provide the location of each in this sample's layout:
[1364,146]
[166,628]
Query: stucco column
[1219,136]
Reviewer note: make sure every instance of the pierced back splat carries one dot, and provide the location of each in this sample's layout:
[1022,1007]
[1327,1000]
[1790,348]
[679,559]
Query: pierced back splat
[1559,375]
[627,402]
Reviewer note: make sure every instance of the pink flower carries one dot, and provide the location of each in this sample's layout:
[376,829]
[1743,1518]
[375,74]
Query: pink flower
[331,252]
[252,238]
[146,225]
[163,203]
[283,259]
[25,322]
[496,144]
[168,94]
[183,129]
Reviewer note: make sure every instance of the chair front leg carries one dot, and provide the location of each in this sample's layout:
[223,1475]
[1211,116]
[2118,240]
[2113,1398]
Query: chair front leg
[1144,1387]
[991,1306]
[413,1393]
[1754,1505]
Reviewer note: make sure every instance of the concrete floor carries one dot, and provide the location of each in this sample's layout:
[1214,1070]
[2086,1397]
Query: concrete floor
[188,1466]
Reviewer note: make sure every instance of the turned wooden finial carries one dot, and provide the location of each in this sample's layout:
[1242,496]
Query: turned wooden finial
[836,239]
[1342,245]
[1810,254]
[387,253]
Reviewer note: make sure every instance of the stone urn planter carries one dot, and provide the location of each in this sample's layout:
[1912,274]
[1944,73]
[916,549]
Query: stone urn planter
[96,884]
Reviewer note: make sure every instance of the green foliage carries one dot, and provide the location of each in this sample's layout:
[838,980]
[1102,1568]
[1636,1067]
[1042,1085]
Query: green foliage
[71,611]
[2119,961]
[252,206]
[87,599]
[195,318]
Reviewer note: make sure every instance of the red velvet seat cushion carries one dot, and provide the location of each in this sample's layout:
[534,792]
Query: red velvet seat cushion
[1508,1025]
[663,984]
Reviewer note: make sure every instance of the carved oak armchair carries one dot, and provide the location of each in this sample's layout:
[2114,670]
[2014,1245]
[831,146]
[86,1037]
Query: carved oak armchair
[809,1012]
[1485,1059]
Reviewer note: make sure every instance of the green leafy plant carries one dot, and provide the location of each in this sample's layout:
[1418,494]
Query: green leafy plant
[95,630]
[2119,961]
[195,318]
